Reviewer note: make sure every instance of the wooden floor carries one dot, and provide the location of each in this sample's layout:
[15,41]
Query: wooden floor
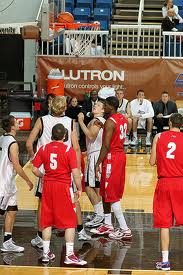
[139,189]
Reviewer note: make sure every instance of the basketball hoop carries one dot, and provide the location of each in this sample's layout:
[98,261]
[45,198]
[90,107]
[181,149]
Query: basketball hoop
[78,37]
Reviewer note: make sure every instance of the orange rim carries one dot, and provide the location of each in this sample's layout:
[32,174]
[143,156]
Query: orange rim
[71,26]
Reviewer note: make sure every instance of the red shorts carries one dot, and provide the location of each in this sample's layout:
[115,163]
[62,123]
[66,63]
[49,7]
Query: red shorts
[57,207]
[168,203]
[113,177]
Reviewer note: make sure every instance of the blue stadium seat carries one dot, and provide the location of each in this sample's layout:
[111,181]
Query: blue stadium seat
[181,13]
[104,4]
[178,3]
[82,14]
[102,14]
[104,25]
[85,4]
[69,9]
[69,5]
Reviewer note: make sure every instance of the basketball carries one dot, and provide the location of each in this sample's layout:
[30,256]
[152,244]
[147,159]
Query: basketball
[65,17]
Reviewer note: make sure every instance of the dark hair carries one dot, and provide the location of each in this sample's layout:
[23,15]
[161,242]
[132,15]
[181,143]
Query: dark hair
[102,100]
[140,91]
[176,120]
[58,132]
[113,101]
[164,92]
[7,123]
[50,95]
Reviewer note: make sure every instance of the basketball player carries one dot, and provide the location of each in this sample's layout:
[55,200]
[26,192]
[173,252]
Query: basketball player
[9,167]
[113,161]
[167,152]
[42,129]
[93,133]
[59,160]
[124,109]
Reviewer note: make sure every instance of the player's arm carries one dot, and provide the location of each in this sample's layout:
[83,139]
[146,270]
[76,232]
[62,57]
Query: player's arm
[109,128]
[37,162]
[75,144]
[13,155]
[90,132]
[33,136]
[152,160]
[77,180]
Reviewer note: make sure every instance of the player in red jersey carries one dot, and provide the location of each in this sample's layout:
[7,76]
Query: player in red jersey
[58,208]
[113,161]
[167,154]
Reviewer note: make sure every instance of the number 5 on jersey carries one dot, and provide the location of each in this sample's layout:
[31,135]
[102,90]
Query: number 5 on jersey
[53,161]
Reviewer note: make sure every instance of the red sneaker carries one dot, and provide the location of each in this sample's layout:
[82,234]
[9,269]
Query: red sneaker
[73,259]
[103,229]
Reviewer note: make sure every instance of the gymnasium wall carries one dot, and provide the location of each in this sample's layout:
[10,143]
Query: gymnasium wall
[84,74]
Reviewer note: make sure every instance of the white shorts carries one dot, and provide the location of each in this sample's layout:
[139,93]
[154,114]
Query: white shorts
[39,182]
[8,203]
[90,179]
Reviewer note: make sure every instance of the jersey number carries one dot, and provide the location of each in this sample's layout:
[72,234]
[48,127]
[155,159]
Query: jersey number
[170,152]
[123,130]
[53,161]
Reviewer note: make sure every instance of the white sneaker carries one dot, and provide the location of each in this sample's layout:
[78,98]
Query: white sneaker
[134,141]
[102,229]
[10,246]
[83,236]
[127,141]
[98,220]
[148,141]
[74,260]
[37,242]
[48,257]
[91,217]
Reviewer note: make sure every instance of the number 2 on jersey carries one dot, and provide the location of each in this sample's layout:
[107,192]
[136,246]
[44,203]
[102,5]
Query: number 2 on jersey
[53,161]
[123,130]
[170,152]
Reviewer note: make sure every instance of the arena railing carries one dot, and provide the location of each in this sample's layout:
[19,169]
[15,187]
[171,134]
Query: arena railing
[172,45]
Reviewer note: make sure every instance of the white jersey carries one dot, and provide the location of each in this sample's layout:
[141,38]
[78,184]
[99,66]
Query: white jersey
[48,122]
[122,107]
[95,146]
[7,172]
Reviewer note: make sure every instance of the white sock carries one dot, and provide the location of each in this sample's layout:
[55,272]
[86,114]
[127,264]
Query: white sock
[7,233]
[107,219]
[116,207]
[69,249]
[165,256]
[135,135]
[98,208]
[46,247]
[148,134]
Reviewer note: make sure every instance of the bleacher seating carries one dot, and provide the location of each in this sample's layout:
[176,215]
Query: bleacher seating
[85,4]
[104,4]
[82,14]
[69,6]
[103,16]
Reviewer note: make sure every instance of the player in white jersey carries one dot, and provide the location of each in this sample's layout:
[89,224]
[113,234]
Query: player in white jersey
[42,130]
[9,167]
[93,133]
[124,109]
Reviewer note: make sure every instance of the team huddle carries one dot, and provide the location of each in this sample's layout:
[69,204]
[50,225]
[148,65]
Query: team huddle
[57,164]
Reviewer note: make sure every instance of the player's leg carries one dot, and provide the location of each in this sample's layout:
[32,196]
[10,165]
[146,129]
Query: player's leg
[134,127]
[149,130]
[47,254]
[38,241]
[127,139]
[82,235]
[71,258]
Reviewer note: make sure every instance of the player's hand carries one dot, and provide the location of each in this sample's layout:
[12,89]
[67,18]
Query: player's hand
[97,171]
[30,184]
[78,195]
[81,117]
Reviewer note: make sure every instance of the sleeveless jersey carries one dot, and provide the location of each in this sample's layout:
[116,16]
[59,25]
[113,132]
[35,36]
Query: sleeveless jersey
[119,134]
[169,154]
[7,172]
[48,122]
[95,146]
[122,106]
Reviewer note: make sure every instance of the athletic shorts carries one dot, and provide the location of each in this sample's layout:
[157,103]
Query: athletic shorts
[90,178]
[8,203]
[58,208]
[168,203]
[113,177]
[39,183]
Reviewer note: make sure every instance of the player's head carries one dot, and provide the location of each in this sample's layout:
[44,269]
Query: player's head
[111,105]
[59,132]
[94,95]
[98,108]
[164,97]
[176,121]
[58,106]
[9,123]
[120,94]
[140,94]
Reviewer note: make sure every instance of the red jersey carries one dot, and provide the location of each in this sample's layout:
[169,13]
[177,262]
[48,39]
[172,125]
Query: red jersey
[119,134]
[58,160]
[169,154]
